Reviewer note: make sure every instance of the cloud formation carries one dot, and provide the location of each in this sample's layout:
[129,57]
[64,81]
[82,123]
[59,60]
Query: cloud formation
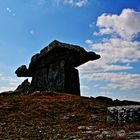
[9,10]
[119,50]
[76,3]
[73,3]
[121,80]
[8,83]
[126,25]
[5,88]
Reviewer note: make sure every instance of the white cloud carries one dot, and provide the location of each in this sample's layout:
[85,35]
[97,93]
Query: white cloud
[88,41]
[118,53]
[9,10]
[9,83]
[105,93]
[118,50]
[84,87]
[99,66]
[3,89]
[121,80]
[126,25]
[76,3]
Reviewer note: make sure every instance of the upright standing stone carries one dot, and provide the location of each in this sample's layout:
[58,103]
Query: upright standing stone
[53,69]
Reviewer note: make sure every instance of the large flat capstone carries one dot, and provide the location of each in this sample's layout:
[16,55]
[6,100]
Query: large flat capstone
[53,69]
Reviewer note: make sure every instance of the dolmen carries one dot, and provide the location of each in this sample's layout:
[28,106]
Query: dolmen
[54,69]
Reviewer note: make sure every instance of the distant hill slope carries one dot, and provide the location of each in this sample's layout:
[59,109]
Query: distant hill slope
[56,116]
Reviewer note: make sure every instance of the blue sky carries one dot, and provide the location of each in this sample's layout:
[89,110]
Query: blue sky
[109,28]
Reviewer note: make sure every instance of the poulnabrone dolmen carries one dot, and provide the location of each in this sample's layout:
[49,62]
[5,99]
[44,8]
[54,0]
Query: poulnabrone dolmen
[53,69]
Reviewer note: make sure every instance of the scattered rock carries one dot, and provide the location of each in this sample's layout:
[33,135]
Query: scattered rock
[121,133]
[87,132]
[107,134]
[74,138]
[133,135]
[96,132]
[69,117]
[86,128]
[93,116]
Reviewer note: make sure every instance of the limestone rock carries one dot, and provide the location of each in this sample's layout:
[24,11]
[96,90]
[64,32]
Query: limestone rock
[123,114]
[133,135]
[53,69]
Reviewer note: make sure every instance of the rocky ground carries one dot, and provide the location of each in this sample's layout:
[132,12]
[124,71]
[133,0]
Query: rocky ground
[55,116]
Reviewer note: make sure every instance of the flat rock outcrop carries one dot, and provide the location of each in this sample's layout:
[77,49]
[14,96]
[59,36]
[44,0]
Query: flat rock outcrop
[123,114]
[53,69]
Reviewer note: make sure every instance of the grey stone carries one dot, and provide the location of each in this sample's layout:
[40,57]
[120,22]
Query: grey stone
[82,127]
[69,117]
[104,133]
[133,135]
[96,132]
[53,69]
[93,116]
[121,133]
[123,114]
[87,128]
[88,132]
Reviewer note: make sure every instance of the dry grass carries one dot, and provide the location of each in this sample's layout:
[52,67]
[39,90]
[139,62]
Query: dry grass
[52,117]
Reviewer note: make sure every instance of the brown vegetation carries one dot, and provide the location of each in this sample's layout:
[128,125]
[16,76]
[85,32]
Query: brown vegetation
[55,117]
